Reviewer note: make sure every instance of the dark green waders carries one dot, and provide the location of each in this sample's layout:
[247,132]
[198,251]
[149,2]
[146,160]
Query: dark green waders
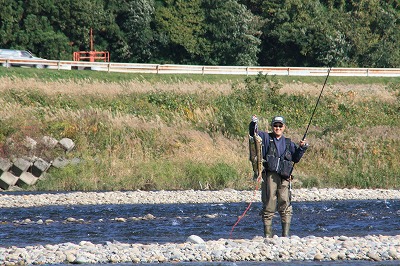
[275,192]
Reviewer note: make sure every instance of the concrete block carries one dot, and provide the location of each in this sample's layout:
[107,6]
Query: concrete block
[49,142]
[5,165]
[39,167]
[60,162]
[7,180]
[19,166]
[75,161]
[67,144]
[30,143]
[26,179]
[30,159]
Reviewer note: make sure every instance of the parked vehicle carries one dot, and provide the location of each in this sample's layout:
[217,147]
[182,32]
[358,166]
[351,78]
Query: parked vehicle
[23,55]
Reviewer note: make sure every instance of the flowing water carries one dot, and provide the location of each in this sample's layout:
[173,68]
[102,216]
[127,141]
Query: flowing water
[175,222]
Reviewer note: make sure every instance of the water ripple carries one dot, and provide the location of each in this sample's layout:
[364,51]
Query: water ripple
[162,223]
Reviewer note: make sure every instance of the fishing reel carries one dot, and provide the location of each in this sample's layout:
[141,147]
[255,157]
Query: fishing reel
[305,146]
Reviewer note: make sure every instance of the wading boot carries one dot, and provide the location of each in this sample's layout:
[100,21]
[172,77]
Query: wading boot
[268,229]
[285,229]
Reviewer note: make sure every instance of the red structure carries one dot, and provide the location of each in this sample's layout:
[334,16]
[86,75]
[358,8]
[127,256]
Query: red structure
[92,55]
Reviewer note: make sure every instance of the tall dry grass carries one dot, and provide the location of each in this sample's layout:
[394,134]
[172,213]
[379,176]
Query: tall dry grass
[96,87]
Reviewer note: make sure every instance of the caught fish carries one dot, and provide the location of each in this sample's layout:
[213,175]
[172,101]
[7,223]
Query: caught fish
[255,149]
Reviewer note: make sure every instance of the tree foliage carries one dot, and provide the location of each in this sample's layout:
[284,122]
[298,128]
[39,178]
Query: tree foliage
[330,33]
[232,31]
[134,20]
[180,28]
[357,33]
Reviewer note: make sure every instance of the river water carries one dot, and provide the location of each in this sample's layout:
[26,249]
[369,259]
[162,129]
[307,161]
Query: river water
[175,222]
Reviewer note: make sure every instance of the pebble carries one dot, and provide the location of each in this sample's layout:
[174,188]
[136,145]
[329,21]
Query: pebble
[195,239]
[281,249]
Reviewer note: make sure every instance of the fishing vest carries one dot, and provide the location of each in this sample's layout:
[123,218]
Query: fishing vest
[283,164]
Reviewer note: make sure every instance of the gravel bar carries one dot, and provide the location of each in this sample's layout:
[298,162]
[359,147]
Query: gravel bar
[283,249]
[186,196]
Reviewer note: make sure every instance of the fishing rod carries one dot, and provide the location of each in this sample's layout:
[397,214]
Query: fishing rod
[305,133]
[315,108]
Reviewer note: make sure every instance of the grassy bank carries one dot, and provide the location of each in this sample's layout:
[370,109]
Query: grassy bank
[190,131]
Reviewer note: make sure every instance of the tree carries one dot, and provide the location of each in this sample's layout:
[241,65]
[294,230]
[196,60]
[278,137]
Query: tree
[179,27]
[374,32]
[76,18]
[233,33]
[303,33]
[11,11]
[135,20]
[330,33]
[37,35]
[215,32]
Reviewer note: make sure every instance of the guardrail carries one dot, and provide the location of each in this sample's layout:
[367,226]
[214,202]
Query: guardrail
[203,70]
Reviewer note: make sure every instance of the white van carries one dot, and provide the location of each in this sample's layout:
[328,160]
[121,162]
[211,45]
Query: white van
[26,57]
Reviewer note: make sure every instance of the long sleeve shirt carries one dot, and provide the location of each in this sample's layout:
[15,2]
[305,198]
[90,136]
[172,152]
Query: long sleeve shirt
[296,151]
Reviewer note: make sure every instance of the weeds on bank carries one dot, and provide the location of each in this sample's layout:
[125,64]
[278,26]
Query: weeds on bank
[154,175]
[171,140]
[354,157]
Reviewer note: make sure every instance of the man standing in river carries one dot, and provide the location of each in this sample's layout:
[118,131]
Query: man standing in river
[279,155]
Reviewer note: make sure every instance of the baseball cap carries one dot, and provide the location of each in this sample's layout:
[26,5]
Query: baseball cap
[278,119]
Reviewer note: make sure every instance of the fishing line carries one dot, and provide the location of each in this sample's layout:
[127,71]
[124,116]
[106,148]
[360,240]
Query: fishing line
[245,211]
[315,108]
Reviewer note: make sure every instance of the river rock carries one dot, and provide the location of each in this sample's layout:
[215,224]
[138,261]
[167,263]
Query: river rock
[195,239]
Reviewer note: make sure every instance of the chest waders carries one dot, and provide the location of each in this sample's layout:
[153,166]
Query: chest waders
[276,188]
